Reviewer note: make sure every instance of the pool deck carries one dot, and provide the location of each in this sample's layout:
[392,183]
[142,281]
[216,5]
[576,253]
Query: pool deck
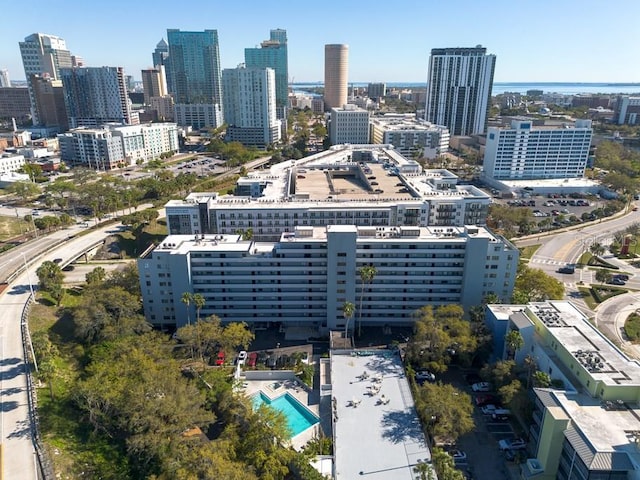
[296,389]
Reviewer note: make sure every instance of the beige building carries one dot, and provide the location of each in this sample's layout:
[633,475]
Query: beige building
[336,75]
[153,83]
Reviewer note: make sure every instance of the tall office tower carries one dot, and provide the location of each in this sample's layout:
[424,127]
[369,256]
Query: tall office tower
[77,61]
[49,100]
[273,54]
[153,83]
[250,106]
[4,79]
[336,75]
[194,58]
[161,57]
[96,95]
[43,55]
[459,89]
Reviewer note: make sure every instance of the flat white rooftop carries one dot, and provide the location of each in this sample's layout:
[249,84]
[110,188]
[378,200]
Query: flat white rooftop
[380,438]
[550,183]
[604,361]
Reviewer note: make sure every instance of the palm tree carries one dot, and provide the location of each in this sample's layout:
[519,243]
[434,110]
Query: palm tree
[187,298]
[367,274]
[514,342]
[348,309]
[603,276]
[597,249]
[199,301]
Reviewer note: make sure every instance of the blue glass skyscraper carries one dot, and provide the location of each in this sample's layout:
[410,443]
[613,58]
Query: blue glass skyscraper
[273,54]
[194,59]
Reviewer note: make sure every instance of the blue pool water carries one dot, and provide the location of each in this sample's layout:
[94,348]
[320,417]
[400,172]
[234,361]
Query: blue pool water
[299,418]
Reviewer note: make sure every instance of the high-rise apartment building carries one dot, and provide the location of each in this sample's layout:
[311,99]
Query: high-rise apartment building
[304,278]
[336,75]
[273,54]
[153,83]
[349,124]
[15,103]
[376,91]
[43,55]
[194,59]
[48,94]
[525,152]
[250,106]
[459,89]
[96,95]
[4,78]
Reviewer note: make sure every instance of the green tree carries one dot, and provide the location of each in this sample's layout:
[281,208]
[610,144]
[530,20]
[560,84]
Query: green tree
[508,393]
[187,298]
[96,276]
[438,336]
[534,285]
[348,309]
[49,275]
[541,379]
[367,274]
[25,190]
[500,373]
[597,249]
[447,411]
[513,341]
[603,276]
[47,371]
[445,466]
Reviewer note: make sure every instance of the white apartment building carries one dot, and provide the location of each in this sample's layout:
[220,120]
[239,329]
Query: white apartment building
[365,185]
[114,145]
[349,124]
[627,110]
[410,135]
[10,163]
[305,278]
[198,115]
[527,152]
[249,100]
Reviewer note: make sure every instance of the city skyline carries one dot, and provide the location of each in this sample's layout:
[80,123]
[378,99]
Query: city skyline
[582,49]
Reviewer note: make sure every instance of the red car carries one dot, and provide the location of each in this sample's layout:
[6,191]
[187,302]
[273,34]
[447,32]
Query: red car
[252,359]
[220,358]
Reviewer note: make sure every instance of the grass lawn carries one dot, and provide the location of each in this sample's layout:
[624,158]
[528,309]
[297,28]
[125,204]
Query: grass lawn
[632,327]
[133,245]
[527,252]
[588,297]
[11,227]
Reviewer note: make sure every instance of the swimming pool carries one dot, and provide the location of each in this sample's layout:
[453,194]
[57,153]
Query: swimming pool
[299,418]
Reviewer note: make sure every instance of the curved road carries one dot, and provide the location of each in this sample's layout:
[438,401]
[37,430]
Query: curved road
[19,458]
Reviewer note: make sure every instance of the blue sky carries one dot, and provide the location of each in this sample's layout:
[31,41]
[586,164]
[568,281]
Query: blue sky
[535,41]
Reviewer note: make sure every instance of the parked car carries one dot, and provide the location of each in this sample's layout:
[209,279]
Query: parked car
[481,387]
[621,276]
[425,375]
[220,358]
[488,409]
[616,281]
[501,414]
[517,444]
[252,359]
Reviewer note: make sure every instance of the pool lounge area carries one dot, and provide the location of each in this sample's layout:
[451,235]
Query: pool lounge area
[284,392]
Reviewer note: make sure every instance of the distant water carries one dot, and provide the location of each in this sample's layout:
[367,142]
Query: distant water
[519,87]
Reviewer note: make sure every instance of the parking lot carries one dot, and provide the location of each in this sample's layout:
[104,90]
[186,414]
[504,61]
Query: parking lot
[483,456]
[201,165]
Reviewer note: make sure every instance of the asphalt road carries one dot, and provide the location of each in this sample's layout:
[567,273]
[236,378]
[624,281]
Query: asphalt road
[15,426]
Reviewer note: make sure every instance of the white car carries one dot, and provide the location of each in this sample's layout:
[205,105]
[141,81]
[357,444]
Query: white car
[488,409]
[242,357]
[517,444]
[425,375]
[481,387]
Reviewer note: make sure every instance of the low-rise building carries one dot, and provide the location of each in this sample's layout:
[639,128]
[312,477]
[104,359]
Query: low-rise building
[114,145]
[304,279]
[198,115]
[11,163]
[588,426]
[365,185]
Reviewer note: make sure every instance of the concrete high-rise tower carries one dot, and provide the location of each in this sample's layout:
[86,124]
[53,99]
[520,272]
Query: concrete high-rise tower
[250,106]
[153,83]
[336,75]
[43,55]
[96,95]
[4,78]
[161,57]
[273,54]
[459,89]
